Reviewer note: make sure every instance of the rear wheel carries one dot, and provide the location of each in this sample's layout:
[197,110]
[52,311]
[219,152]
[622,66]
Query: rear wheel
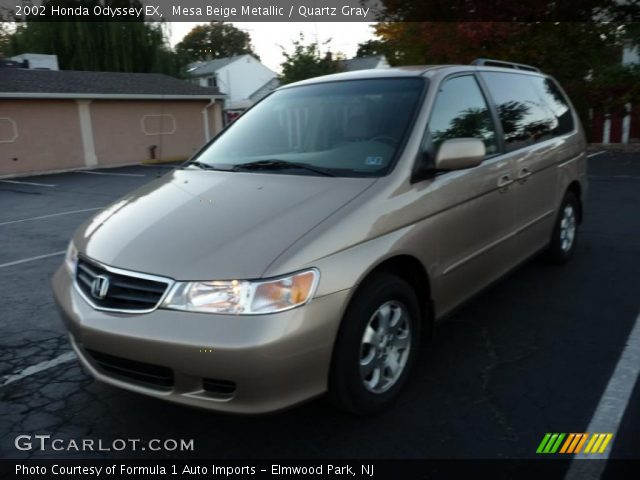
[376,345]
[565,231]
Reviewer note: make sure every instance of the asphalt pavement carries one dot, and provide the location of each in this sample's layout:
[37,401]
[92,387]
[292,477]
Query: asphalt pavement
[530,355]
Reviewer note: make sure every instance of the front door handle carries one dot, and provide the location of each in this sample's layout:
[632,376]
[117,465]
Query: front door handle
[503,183]
[524,173]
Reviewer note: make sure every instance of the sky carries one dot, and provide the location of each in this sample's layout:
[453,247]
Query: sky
[267,36]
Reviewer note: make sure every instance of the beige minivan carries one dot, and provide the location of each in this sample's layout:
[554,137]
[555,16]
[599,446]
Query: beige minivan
[309,246]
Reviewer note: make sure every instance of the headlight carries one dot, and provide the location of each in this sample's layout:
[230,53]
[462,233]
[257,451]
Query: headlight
[243,297]
[71,258]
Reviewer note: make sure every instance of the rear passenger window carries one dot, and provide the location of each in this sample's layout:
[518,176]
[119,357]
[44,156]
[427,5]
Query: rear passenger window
[460,111]
[557,103]
[525,117]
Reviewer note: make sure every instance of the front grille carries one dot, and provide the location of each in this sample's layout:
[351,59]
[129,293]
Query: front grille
[122,292]
[140,372]
[222,388]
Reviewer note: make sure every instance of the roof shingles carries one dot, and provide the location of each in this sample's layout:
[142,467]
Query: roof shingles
[21,81]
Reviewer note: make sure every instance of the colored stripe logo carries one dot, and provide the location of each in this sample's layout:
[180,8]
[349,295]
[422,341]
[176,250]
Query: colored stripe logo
[574,443]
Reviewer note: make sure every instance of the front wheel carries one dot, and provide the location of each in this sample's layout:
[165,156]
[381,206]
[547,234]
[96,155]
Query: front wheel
[376,345]
[565,231]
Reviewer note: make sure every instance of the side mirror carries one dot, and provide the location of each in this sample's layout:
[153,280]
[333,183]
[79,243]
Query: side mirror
[460,153]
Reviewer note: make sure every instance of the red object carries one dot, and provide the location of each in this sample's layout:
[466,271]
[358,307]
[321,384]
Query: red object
[615,127]
[231,116]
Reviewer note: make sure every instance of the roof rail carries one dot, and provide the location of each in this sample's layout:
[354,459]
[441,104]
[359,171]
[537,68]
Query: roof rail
[487,62]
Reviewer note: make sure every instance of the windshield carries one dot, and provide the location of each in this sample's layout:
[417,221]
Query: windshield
[348,128]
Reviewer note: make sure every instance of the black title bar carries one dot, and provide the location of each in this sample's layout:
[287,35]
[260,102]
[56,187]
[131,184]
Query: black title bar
[542,468]
[321,10]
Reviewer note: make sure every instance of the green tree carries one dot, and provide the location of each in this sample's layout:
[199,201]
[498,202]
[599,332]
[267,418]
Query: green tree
[373,47]
[631,34]
[612,88]
[120,46]
[215,40]
[306,61]
[5,17]
[4,41]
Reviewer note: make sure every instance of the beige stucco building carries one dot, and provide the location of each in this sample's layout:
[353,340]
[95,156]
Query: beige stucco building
[60,120]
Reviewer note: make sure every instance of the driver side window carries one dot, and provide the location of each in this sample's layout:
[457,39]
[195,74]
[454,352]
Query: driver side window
[460,111]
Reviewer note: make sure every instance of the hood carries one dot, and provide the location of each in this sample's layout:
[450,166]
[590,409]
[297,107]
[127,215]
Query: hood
[212,225]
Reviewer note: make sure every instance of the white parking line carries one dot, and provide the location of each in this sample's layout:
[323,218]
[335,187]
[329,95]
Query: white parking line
[39,367]
[115,174]
[51,215]
[611,408]
[596,153]
[28,183]
[31,259]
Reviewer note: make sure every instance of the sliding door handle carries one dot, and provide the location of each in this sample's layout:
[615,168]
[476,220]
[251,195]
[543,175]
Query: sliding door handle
[503,183]
[523,175]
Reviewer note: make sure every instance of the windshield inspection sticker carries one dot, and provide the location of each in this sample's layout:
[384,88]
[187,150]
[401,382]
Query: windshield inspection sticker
[373,161]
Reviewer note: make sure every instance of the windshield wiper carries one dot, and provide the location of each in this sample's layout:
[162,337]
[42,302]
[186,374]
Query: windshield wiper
[202,165]
[281,165]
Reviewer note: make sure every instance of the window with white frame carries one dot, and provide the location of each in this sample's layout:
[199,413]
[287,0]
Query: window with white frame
[163,124]
[8,130]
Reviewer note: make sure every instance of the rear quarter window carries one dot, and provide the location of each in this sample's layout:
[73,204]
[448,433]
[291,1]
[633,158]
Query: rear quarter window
[531,109]
[556,102]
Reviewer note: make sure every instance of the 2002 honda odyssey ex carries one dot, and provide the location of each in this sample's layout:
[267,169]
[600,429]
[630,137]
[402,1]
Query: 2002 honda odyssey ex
[306,247]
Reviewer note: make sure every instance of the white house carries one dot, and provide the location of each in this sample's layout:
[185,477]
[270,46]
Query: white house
[243,78]
[38,61]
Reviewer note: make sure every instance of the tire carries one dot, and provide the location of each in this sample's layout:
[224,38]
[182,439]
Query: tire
[363,348]
[565,232]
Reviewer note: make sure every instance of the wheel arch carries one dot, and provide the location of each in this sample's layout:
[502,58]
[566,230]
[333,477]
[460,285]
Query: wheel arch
[410,269]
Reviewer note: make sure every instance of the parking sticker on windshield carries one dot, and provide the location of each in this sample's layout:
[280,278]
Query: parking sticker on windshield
[373,161]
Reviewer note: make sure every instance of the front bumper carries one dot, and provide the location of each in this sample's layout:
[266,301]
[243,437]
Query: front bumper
[273,361]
